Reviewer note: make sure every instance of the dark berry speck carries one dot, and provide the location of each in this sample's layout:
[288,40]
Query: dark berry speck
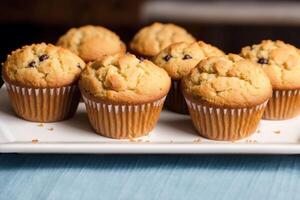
[32,64]
[263,61]
[141,59]
[43,57]
[167,58]
[186,57]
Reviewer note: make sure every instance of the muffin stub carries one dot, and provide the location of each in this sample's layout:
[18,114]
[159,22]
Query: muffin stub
[124,79]
[42,65]
[280,61]
[227,81]
[123,95]
[226,97]
[150,40]
[92,42]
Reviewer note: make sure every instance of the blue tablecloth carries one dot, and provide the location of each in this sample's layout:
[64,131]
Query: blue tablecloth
[148,177]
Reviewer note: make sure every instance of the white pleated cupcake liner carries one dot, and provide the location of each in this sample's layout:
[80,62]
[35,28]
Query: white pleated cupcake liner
[43,104]
[123,121]
[284,104]
[225,123]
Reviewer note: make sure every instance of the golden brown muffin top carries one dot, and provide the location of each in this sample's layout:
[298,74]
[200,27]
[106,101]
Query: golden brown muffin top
[279,60]
[42,65]
[150,40]
[92,42]
[179,58]
[124,79]
[227,81]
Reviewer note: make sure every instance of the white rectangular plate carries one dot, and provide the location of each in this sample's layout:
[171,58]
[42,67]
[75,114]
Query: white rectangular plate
[174,134]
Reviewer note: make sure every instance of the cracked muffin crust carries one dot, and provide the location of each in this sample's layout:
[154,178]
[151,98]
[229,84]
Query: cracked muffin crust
[179,58]
[92,42]
[125,79]
[150,40]
[210,50]
[42,65]
[280,61]
[227,81]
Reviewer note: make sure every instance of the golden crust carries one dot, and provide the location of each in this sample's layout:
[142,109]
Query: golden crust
[92,42]
[150,40]
[210,50]
[124,79]
[227,81]
[179,58]
[280,61]
[42,65]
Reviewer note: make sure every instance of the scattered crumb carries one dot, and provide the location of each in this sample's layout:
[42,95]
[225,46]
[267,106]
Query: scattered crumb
[277,132]
[171,141]
[34,141]
[41,125]
[139,140]
[198,140]
[251,141]
[258,131]
[50,129]
[147,141]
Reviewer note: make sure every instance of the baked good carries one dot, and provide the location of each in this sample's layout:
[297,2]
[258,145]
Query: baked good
[41,81]
[226,96]
[92,42]
[150,40]
[281,62]
[178,60]
[123,95]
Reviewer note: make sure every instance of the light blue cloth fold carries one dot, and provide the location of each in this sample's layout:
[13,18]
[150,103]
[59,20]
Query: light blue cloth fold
[26,177]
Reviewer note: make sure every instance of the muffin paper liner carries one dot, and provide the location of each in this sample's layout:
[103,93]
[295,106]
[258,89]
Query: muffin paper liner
[284,104]
[225,123]
[175,100]
[123,121]
[44,104]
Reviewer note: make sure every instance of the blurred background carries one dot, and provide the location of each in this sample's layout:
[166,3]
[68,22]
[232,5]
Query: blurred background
[228,24]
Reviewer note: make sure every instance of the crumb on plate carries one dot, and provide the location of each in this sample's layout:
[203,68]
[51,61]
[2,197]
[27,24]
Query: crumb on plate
[198,140]
[277,132]
[34,141]
[251,141]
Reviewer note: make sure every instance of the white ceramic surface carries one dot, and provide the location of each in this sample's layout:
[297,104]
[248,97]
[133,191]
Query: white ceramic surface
[173,134]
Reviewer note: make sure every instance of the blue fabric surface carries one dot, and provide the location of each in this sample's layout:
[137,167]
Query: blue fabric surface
[148,177]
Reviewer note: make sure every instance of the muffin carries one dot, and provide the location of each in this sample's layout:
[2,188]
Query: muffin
[178,59]
[41,82]
[123,95]
[150,40]
[92,42]
[226,97]
[281,62]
